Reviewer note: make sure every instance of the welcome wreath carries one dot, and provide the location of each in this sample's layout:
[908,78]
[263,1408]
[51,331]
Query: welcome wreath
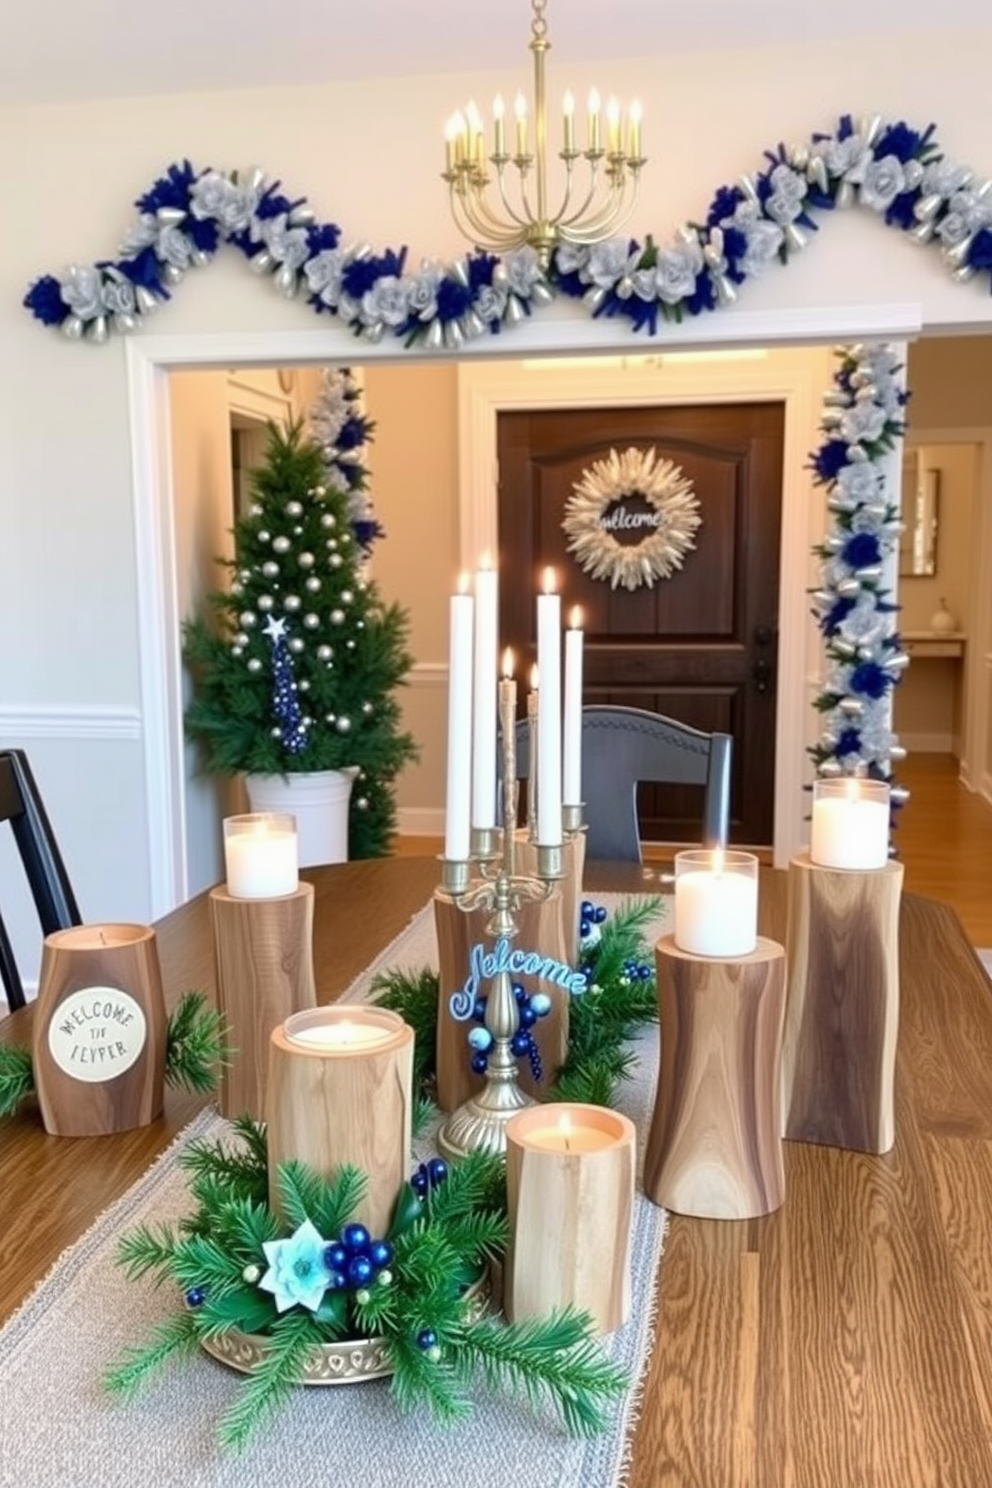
[662,523]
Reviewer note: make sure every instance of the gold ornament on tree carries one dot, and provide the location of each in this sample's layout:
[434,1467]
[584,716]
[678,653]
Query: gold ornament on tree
[642,495]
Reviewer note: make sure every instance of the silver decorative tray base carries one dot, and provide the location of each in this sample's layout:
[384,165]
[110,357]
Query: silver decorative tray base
[350,1361]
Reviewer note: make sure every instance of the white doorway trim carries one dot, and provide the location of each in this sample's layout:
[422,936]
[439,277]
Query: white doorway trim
[148,360]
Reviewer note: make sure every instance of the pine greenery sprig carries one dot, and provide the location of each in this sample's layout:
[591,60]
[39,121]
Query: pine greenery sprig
[16,1077]
[424,1307]
[196,1044]
[413,994]
[552,1357]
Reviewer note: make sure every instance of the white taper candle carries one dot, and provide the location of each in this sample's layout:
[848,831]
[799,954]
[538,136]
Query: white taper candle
[484,705]
[549,714]
[571,785]
[456,820]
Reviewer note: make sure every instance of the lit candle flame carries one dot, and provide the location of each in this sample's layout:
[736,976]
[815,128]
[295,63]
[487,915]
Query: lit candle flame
[575,618]
[550,582]
[533,678]
[463,583]
[508,663]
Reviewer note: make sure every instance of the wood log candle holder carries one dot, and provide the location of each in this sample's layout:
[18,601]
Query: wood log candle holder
[263,951]
[99,1031]
[341,1091]
[842,1017]
[570,1197]
[715,1148]
[541,929]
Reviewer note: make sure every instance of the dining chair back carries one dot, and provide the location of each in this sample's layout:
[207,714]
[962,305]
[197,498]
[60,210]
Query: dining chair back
[622,746]
[51,890]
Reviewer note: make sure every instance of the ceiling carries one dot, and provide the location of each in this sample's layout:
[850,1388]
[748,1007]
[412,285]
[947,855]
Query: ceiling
[100,48]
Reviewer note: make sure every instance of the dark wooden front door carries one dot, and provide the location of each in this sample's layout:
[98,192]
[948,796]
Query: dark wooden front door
[701,645]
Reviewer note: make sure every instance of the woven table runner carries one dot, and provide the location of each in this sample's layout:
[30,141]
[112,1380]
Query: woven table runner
[58,1425]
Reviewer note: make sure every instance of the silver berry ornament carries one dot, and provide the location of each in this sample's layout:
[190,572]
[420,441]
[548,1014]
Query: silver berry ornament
[245,575]
[312,584]
[248,618]
[264,536]
[292,602]
[251,1274]
[254,664]
[255,510]
[265,602]
[362,803]
[344,725]
[296,645]
[329,717]
[311,621]
[346,596]
[270,569]
[303,684]
[324,653]
[335,560]
[367,709]
[275,731]
[331,544]
[237,588]
[294,508]
[281,544]
[297,531]
[328,520]
[237,650]
[306,560]
[337,617]
[351,645]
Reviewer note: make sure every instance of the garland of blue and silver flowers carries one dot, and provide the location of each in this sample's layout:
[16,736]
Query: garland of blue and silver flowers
[893,170]
[862,423]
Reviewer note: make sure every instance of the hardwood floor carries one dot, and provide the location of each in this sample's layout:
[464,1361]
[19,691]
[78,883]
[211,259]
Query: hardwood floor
[944,839]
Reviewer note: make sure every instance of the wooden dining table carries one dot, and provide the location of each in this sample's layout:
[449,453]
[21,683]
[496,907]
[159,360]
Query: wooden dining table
[844,1341]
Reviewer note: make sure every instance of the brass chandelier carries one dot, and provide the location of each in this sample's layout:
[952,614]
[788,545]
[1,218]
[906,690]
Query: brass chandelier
[503,219]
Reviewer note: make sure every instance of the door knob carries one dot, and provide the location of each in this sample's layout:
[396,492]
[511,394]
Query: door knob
[762,674]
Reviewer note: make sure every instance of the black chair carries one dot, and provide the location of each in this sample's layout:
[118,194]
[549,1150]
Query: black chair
[21,805]
[622,746]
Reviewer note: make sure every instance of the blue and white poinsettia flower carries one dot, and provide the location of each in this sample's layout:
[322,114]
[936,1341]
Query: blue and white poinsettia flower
[862,421]
[297,1275]
[894,170]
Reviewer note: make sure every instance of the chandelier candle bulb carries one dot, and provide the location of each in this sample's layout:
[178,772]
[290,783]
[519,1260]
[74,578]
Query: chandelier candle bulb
[568,122]
[635,130]
[593,122]
[613,126]
[570,1195]
[520,109]
[549,763]
[340,1091]
[716,902]
[571,786]
[486,653]
[261,858]
[850,827]
[459,766]
[499,126]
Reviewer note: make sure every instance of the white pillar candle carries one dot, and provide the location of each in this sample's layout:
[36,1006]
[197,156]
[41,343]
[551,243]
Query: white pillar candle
[850,826]
[325,1032]
[571,783]
[716,903]
[549,715]
[456,818]
[568,1135]
[484,698]
[260,855]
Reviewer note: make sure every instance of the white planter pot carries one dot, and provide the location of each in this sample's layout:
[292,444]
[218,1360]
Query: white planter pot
[319,800]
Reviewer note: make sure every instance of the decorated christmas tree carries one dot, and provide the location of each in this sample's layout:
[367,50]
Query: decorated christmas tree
[296,663]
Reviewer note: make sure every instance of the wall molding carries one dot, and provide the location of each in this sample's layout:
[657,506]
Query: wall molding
[427,674]
[46,722]
[420,821]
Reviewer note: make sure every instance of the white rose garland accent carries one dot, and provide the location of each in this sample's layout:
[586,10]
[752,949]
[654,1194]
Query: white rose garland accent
[671,523]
